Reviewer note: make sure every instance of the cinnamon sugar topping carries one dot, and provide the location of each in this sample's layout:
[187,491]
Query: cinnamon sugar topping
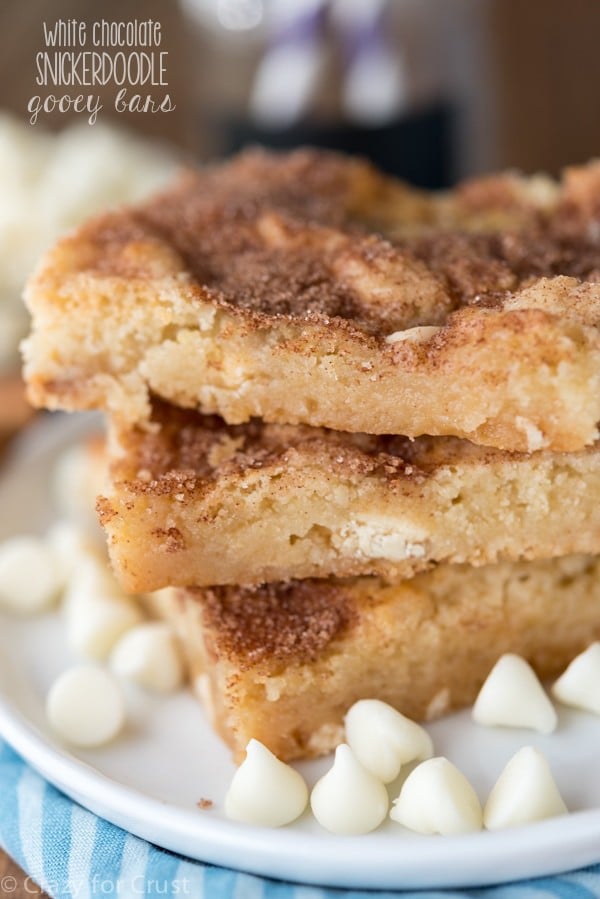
[266,233]
[190,450]
[275,623]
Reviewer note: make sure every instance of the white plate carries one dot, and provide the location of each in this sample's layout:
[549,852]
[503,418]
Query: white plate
[150,780]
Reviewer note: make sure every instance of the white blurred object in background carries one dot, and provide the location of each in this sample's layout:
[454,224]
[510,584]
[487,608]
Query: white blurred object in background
[51,182]
[374,88]
[289,74]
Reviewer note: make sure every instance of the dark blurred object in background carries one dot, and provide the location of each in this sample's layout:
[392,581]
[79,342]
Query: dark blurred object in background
[546,83]
[362,77]
[417,146]
[433,89]
[513,84]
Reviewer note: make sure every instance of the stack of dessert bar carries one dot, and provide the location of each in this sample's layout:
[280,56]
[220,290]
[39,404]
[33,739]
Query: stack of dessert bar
[352,428]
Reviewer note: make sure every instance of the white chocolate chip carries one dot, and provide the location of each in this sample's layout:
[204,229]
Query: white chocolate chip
[349,799]
[264,790]
[533,435]
[420,334]
[383,740]
[30,575]
[438,705]
[579,685]
[201,685]
[71,545]
[437,798]
[73,484]
[524,792]
[97,612]
[381,537]
[512,696]
[85,706]
[149,655]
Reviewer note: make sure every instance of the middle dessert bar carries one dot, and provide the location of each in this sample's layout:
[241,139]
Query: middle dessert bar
[193,501]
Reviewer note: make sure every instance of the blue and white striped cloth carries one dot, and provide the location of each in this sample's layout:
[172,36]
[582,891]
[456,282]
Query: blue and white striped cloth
[73,854]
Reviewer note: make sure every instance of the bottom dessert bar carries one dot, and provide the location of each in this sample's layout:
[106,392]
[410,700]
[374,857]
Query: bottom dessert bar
[283,662]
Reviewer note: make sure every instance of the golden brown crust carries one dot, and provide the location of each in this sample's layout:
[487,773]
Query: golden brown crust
[271,285]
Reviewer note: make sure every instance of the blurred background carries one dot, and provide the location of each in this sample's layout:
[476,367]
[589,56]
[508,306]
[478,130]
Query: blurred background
[437,88]
[431,90]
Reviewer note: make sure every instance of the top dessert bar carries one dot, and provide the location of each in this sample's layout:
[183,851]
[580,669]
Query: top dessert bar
[309,288]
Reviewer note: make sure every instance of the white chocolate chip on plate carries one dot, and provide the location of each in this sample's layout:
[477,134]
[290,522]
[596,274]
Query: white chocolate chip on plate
[30,575]
[579,685]
[149,655]
[85,706]
[348,799]
[512,696]
[96,610]
[382,739]
[71,545]
[264,790]
[524,792]
[437,798]
[73,484]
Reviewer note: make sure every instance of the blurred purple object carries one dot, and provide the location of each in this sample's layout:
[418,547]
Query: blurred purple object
[374,84]
[288,75]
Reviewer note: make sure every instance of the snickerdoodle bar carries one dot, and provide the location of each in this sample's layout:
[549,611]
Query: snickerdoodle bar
[192,501]
[284,662]
[309,288]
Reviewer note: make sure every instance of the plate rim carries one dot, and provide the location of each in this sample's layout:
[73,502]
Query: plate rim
[274,853]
